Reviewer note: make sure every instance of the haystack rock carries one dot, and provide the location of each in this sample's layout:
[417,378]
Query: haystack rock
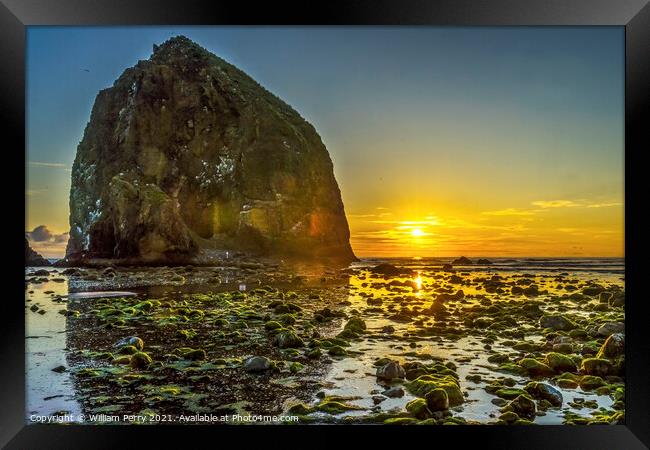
[186,156]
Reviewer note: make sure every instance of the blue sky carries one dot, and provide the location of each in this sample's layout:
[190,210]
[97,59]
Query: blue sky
[417,120]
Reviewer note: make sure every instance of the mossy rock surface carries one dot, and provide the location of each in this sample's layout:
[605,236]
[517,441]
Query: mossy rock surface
[140,360]
[560,362]
[424,384]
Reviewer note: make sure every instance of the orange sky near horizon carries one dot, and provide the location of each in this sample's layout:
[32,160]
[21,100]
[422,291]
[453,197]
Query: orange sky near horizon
[445,141]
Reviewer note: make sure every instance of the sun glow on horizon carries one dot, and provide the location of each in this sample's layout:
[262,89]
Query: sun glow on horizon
[580,227]
[416,232]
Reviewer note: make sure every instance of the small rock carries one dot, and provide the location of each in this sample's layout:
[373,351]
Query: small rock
[523,406]
[613,347]
[288,339]
[544,392]
[131,340]
[390,371]
[556,322]
[463,261]
[257,364]
[394,392]
[610,328]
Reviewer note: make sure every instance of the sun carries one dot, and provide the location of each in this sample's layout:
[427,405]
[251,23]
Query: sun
[416,232]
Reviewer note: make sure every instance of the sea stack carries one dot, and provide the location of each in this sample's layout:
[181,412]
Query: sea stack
[33,258]
[187,156]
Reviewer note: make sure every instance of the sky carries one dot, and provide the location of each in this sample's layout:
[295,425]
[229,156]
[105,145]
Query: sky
[502,141]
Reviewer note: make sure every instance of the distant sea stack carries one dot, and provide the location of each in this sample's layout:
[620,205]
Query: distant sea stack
[186,156]
[33,258]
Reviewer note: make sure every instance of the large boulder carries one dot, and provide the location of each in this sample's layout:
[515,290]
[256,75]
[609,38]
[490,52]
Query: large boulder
[186,155]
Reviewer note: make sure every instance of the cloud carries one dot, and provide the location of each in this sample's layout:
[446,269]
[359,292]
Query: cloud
[545,204]
[40,234]
[604,205]
[555,204]
[47,243]
[510,212]
[62,238]
[33,192]
[47,164]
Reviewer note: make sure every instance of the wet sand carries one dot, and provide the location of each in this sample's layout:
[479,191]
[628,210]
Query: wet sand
[481,334]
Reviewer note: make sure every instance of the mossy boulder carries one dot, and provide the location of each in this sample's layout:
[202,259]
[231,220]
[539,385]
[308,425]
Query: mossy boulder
[613,347]
[523,406]
[191,353]
[337,350]
[288,339]
[140,360]
[400,421]
[299,409]
[597,366]
[509,393]
[560,363]
[535,368]
[355,325]
[590,382]
[437,400]
[336,406]
[567,384]
[127,350]
[418,408]
[124,360]
[272,325]
[543,391]
[556,322]
[424,384]
[509,417]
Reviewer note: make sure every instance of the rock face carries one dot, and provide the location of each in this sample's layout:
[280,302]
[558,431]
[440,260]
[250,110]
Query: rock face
[34,259]
[186,153]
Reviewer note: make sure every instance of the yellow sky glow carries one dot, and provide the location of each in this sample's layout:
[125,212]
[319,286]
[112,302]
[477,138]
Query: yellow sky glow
[544,228]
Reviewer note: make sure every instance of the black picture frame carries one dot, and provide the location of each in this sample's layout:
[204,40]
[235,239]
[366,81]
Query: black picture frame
[634,15]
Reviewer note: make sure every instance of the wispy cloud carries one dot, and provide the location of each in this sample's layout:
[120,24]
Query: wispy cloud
[555,204]
[33,192]
[604,205]
[545,204]
[510,212]
[48,164]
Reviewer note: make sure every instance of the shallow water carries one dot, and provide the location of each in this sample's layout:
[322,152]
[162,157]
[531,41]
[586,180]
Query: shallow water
[354,377]
[48,392]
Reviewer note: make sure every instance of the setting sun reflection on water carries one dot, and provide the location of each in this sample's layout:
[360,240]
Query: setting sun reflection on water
[418,282]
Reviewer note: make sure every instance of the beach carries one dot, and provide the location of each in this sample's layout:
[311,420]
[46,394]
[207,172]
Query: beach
[517,341]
